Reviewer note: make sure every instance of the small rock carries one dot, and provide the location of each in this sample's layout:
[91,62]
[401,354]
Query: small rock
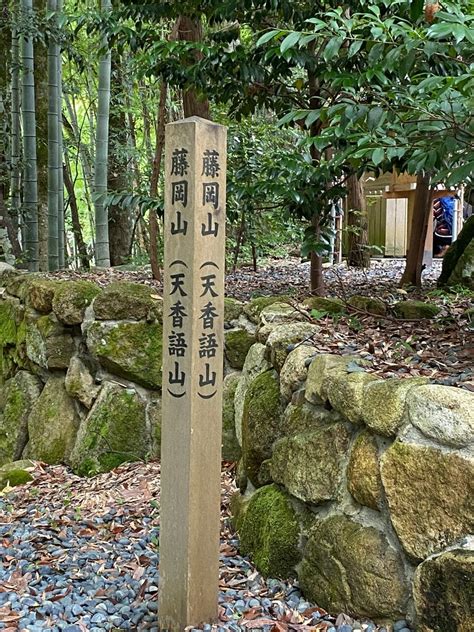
[399,625]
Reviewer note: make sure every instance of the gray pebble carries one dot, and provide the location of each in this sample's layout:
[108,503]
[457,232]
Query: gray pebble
[399,625]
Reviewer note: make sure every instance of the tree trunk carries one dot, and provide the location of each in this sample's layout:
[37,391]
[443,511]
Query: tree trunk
[76,224]
[15,183]
[30,179]
[101,155]
[419,226]
[53,147]
[358,224]
[190,30]
[119,217]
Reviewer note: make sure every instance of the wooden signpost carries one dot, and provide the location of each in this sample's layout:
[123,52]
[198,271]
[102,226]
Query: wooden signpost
[195,169]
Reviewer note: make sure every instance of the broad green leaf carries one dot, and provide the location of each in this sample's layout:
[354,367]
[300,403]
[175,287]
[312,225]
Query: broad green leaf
[266,37]
[332,48]
[378,155]
[289,41]
[354,48]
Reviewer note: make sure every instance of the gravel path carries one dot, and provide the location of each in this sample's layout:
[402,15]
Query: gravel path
[81,555]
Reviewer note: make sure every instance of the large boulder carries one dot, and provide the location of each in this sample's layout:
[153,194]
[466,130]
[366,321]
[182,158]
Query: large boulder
[255,364]
[311,465]
[40,294]
[80,383]
[52,424]
[269,532]
[415,310]
[283,338]
[123,300]
[363,472]
[444,591]
[443,413]
[237,345]
[232,309]
[260,422]
[348,567]
[325,304]
[71,299]
[430,495]
[116,430]
[384,403]
[48,344]
[278,313]
[230,446]
[8,322]
[132,350]
[295,370]
[17,398]
[320,368]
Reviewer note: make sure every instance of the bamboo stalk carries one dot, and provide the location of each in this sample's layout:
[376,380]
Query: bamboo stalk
[53,145]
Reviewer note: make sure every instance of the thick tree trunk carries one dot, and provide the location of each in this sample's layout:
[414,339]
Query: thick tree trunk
[119,217]
[190,30]
[53,147]
[61,219]
[358,224]
[419,226]
[76,223]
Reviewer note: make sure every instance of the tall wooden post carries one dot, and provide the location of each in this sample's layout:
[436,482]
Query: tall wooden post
[195,168]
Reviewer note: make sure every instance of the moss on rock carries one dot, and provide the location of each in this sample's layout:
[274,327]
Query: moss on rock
[52,424]
[283,338]
[430,495]
[115,431]
[269,532]
[232,309]
[18,396]
[237,345]
[80,383]
[15,473]
[325,304]
[130,350]
[230,446]
[444,592]
[323,365]
[346,393]
[71,299]
[260,422]
[8,324]
[372,305]
[48,344]
[415,310]
[40,294]
[254,308]
[455,252]
[304,417]
[310,465]
[123,300]
[348,567]
[295,370]
[363,472]
[385,403]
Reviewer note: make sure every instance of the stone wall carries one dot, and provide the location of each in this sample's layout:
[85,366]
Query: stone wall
[81,371]
[361,487]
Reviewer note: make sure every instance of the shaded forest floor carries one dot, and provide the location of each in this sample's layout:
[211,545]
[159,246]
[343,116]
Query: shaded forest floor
[82,554]
[441,349]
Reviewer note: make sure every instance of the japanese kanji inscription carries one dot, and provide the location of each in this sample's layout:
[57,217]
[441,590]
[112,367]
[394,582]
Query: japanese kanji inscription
[195,168]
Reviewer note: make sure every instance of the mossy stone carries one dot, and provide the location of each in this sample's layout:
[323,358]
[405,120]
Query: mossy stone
[154,413]
[80,383]
[15,473]
[415,310]
[254,308]
[443,589]
[48,344]
[348,567]
[8,325]
[283,338]
[452,265]
[230,446]
[123,300]
[279,313]
[18,396]
[260,422]
[310,465]
[237,343]
[129,350]
[346,393]
[52,424]
[232,309]
[363,472]
[463,273]
[255,364]
[115,431]
[40,294]
[71,299]
[385,403]
[18,285]
[367,304]
[295,370]
[305,417]
[320,368]
[269,532]
[323,304]
[430,496]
